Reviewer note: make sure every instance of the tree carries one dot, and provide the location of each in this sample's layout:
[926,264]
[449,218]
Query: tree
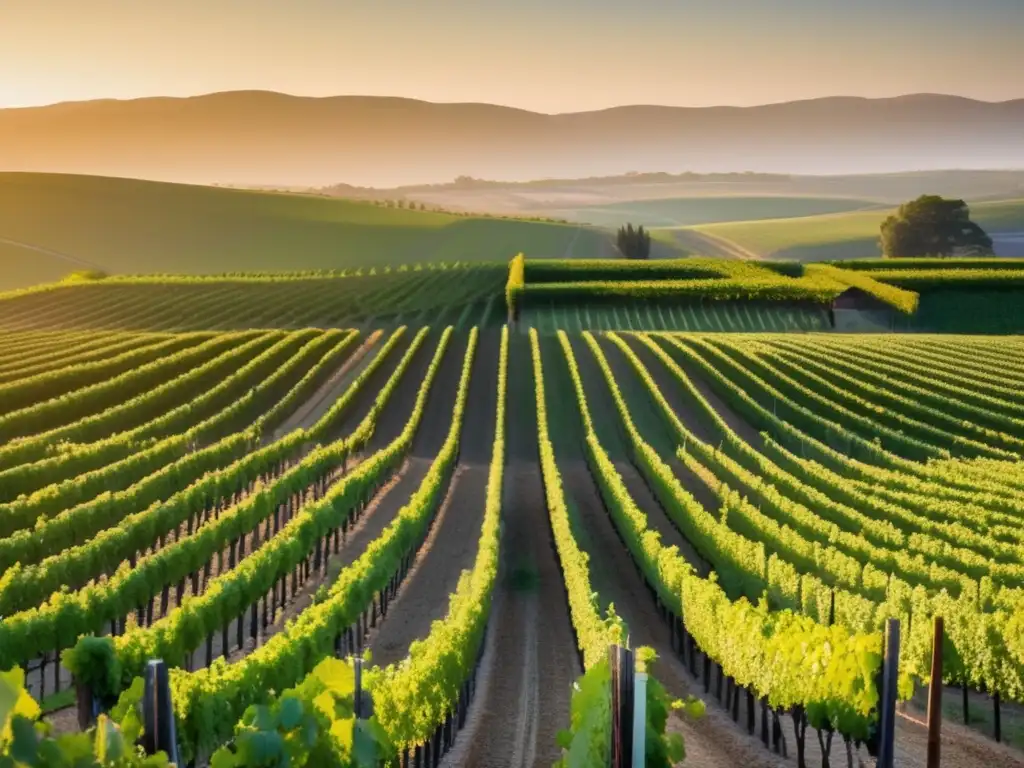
[634,243]
[933,226]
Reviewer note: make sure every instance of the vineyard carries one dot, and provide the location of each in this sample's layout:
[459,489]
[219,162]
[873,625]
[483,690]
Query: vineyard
[258,478]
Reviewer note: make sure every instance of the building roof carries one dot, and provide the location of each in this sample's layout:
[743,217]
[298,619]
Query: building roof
[855,298]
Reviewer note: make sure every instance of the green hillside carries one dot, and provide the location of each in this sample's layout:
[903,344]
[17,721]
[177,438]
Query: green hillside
[20,266]
[691,211]
[840,235]
[127,226]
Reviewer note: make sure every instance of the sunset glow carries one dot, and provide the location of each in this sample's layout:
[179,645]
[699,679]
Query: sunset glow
[550,57]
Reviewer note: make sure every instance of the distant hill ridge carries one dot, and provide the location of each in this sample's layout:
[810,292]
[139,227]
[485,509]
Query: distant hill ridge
[260,137]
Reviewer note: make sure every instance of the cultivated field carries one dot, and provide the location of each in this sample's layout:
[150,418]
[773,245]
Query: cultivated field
[246,476]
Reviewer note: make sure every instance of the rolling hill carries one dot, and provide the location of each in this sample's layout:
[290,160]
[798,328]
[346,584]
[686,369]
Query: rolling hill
[853,234]
[258,137]
[51,225]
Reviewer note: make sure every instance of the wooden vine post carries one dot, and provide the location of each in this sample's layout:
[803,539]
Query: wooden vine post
[357,695]
[622,665]
[935,698]
[887,705]
[159,734]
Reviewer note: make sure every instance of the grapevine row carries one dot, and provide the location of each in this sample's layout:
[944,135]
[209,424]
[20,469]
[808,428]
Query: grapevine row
[413,697]
[66,616]
[794,663]
[169,465]
[73,526]
[209,702]
[24,393]
[973,662]
[133,419]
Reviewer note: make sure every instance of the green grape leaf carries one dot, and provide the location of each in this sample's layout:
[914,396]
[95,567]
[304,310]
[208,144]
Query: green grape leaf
[260,748]
[337,676]
[15,700]
[289,713]
[262,718]
[674,747]
[24,741]
[366,745]
[223,758]
[692,707]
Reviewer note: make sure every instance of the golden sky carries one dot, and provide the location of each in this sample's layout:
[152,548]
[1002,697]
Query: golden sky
[552,56]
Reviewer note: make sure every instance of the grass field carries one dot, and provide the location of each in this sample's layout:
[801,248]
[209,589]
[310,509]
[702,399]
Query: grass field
[138,227]
[692,211]
[848,235]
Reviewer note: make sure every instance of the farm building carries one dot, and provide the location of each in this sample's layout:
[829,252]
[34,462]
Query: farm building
[857,310]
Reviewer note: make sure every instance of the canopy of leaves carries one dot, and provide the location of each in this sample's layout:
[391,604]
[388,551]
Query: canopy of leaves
[933,226]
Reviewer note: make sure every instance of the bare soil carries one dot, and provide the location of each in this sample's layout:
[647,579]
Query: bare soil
[437,412]
[477,439]
[307,414]
[669,386]
[530,661]
[392,420]
[367,395]
[962,745]
[449,549]
[521,411]
[453,541]
[525,681]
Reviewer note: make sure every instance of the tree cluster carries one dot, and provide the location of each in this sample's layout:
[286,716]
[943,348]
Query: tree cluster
[933,226]
[634,243]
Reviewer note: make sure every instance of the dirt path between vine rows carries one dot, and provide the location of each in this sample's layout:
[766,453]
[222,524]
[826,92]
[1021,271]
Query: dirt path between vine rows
[452,543]
[386,504]
[651,423]
[665,380]
[379,513]
[525,680]
[530,660]
[307,414]
[449,549]
[374,518]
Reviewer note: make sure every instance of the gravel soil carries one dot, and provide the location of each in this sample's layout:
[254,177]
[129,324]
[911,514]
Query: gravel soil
[452,543]
[524,685]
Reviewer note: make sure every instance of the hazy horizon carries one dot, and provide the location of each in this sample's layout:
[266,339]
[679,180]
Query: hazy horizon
[400,97]
[582,55]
